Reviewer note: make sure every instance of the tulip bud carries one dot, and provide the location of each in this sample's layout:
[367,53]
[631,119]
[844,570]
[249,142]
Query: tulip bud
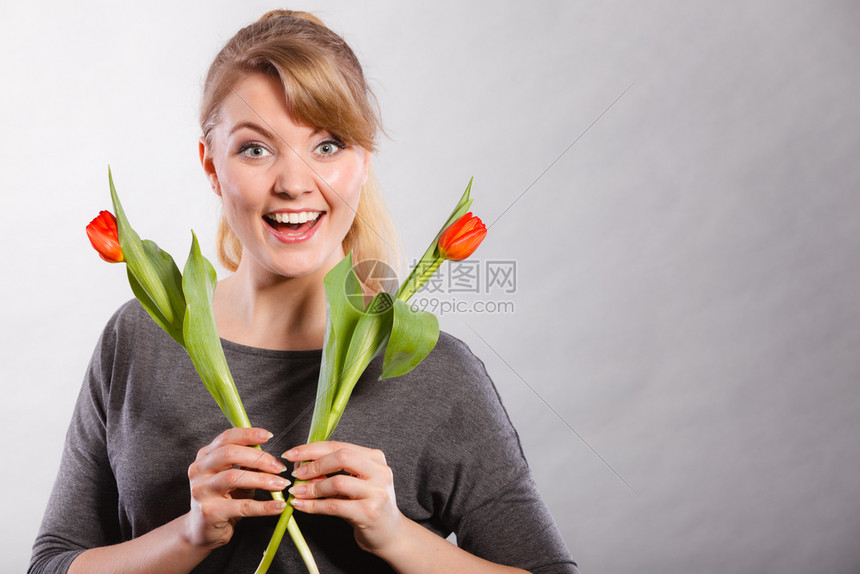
[461,238]
[103,234]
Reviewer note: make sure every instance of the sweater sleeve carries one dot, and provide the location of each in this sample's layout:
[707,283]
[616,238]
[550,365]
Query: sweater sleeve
[82,509]
[481,481]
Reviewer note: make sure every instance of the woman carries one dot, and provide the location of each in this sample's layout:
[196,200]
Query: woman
[288,128]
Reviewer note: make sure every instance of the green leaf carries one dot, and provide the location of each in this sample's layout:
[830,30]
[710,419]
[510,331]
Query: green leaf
[344,297]
[201,336]
[459,211]
[432,259]
[371,333]
[413,335]
[154,276]
[367,341]
[344,301]
[164,267]
[342,292]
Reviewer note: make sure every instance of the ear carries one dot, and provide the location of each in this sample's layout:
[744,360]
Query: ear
[209,166]
[367,157]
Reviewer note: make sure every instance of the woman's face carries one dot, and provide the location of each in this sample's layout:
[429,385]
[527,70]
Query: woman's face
[269,171]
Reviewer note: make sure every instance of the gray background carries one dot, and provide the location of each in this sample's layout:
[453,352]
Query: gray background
[687,297]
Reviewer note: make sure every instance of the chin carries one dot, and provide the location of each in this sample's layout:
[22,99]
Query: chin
[298,267]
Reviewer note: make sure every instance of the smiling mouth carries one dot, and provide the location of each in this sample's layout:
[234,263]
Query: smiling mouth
[293,223]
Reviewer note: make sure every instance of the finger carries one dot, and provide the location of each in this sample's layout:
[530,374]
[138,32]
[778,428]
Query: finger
[337,486]
[238,435]
[323,458]
[248,508]
[348,460]
[357,512]
[224,509]
[347,509]
[230,455]
[316,450]
[239,479]
[221,485]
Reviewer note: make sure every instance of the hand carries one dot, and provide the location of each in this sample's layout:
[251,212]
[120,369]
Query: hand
[221,493]
[364,496]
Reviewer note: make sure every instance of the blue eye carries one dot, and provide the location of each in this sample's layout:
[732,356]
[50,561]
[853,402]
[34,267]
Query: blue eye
[329,147]
[254,151]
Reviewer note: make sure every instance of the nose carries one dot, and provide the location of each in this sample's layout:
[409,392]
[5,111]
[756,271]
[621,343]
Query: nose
[294,176]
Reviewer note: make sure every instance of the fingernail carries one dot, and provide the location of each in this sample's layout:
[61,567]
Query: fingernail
[298,503]
[290,454]
[264,434]
[279,467]
[298,490]
[278,505]
[279,483]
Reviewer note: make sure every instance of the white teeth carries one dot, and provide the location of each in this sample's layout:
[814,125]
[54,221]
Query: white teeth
[300,217]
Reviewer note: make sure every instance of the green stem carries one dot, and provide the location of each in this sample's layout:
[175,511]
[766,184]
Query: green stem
[328,421]
[233,407]
[334,389]
[299,541]
[430,261]
[286,522]
[419,276]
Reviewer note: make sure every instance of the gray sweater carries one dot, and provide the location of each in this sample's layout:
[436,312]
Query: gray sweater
[143,413]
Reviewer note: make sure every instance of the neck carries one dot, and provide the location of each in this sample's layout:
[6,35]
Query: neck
[283,313]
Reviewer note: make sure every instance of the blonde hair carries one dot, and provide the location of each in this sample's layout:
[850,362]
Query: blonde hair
[326,89]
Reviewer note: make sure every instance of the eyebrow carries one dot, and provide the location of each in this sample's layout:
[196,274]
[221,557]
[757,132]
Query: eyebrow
[257,128]
[264,132]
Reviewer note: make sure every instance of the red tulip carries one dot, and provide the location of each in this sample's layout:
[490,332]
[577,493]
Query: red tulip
[461,238]
[105,238]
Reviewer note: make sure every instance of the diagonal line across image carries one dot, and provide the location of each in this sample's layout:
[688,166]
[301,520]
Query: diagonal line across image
[561,155]
[555,412]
